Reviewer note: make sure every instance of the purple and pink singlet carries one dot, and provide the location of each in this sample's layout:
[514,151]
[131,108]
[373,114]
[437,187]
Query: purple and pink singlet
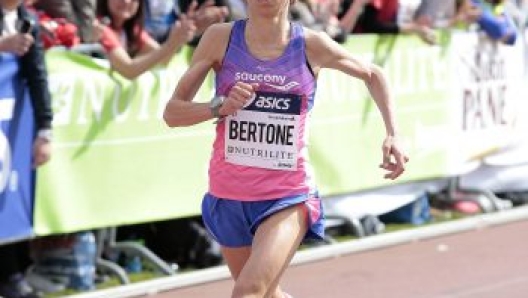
[263,146]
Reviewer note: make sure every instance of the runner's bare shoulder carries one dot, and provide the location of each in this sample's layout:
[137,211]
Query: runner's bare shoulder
[213,43]
[317,45]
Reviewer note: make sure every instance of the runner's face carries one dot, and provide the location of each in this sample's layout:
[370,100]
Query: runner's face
[123,10]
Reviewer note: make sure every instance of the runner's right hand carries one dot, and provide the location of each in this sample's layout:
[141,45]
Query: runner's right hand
[239,95]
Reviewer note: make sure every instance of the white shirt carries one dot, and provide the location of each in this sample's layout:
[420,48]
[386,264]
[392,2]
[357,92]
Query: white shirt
[10,20]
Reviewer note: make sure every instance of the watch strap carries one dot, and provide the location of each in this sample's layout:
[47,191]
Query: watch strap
[216,104]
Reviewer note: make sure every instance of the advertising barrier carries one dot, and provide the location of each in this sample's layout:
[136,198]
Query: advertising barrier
[115,162]
[16,139]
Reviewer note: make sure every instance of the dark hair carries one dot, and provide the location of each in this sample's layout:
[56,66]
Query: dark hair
[132,27]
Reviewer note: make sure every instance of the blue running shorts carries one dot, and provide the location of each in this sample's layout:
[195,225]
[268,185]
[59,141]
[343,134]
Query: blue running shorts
[233,223]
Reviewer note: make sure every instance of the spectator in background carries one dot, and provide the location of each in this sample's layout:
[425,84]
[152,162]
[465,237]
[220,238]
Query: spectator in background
[14,258]
[78,12]
[160,15]
[129,48]
[437,13]
[19,36]
[380,17]
[237,9]
[320,16]
[54,32]
[349,14]
[208,12]
[446,13]
[302,11]
[28,47]
[518,10]
[493,20]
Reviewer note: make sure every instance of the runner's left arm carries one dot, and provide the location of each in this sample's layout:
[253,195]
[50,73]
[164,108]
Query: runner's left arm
[323,52]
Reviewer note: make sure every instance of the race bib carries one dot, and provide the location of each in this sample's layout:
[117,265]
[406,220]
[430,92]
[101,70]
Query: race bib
[265,133]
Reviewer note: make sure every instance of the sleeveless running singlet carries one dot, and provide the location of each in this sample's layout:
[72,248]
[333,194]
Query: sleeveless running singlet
[260,153]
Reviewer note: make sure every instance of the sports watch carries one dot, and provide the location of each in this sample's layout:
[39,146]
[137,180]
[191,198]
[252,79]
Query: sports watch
[215,105]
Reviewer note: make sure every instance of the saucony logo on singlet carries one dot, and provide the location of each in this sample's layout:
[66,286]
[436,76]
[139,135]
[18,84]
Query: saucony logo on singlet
[286,87]
[260,77]
[275,81]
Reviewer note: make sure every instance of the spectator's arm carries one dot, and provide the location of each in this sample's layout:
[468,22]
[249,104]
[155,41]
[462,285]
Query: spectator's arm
[410,28]
[499,28]
[349,19]
[132,67]
[33,69]
[372,25]
[149,45]
[424,32]
[300,12]
[466,13]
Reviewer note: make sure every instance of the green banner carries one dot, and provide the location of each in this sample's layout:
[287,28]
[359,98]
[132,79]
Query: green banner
[115,162]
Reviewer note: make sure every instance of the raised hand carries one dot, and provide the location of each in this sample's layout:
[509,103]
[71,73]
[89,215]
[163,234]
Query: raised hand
[206,14]
[182,31]
[98,27]
[428,35]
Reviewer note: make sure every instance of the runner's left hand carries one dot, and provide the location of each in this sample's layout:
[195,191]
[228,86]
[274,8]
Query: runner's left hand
[394,157]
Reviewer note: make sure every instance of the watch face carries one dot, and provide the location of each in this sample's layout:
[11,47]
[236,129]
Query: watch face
[217,101]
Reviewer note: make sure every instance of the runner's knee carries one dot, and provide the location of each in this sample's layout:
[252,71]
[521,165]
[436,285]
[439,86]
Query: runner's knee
[245,289]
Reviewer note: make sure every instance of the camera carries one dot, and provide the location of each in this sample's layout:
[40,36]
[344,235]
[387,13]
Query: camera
[24,25]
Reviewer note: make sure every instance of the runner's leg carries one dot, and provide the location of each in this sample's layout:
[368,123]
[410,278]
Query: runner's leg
[236,258]
[276,241]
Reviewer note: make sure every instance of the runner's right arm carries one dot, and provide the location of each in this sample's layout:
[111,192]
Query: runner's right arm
[180,109]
